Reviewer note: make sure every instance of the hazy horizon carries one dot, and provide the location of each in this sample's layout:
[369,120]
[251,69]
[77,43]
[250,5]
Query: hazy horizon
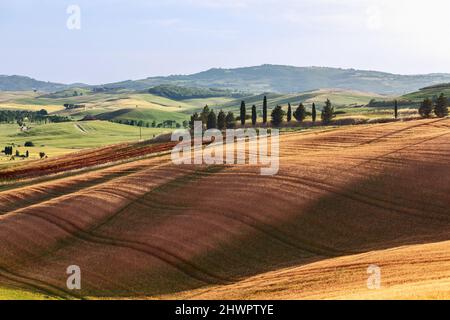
[120,40]
[225,68]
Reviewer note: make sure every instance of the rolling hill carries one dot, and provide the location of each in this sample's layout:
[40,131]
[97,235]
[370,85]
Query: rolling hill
[431,92]
[344,198]
[258,79]
[289,79]
[22,83]
[339,97]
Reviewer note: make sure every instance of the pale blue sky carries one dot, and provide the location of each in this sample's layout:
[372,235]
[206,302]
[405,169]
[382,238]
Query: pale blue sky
[132,39]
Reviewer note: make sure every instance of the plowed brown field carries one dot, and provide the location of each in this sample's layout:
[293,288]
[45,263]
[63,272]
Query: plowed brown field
[343,199]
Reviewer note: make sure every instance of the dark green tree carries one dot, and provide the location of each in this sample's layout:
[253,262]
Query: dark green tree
[212,120]
[254,116]
[289,113]
[300,113]
[27,154]
[194,117]
[8,151]
[426,108]
[277,116]
[313,113]
[327,112]
[221,120]
[265,110]
[396,109]
[230,120]
[441,107]
[204,115]
[243,113]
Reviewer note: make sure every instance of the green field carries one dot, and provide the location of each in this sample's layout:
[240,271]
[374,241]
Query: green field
[430,92]
[339,98]
[147,115]
[59,138]
[121,105]
[16,294]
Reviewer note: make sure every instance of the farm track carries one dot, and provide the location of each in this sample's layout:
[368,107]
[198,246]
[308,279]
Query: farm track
[147,228]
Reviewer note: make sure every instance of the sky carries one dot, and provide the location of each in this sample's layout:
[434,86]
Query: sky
[102,41]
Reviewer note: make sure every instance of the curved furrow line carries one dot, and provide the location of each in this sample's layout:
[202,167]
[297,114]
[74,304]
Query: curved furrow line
[162,254]
[36,284]
[78,183]
[390,134]
[286,239]
[404,148]
[43,195]
[355,196]
[104,187]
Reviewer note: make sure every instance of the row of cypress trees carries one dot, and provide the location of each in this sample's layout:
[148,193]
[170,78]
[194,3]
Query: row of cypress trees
[228,121]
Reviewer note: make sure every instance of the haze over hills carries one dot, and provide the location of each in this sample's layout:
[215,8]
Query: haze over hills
[258,79]
[289,79]
[23,83]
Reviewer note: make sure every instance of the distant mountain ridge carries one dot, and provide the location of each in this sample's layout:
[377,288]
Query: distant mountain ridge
[23,83]
[259,79]
[289,79]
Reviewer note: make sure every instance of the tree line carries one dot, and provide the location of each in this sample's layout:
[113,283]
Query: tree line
[153,124]
[439,107]
[20,116]
[228,120]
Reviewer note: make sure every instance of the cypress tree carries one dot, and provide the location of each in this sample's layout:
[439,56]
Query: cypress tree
[212,120]
[396,109]
[243,112]
[265,110]
[300,113]
[221,121]
[327,112]
[314,113]
[277,116]
[230,120]
[254,115]
[194,117]
[441,107]
[27,154]
[204,115]
[426,108]
[289,113]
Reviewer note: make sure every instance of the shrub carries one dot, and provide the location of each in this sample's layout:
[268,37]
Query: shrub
[29,144]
